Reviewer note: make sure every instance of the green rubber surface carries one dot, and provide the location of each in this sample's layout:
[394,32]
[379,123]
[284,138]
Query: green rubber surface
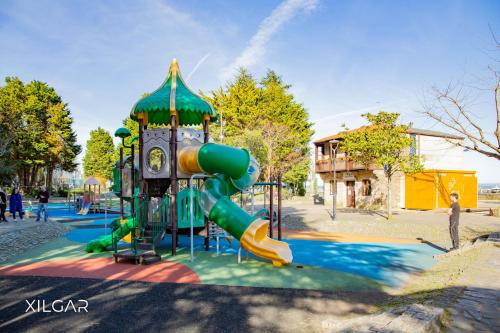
[223,269]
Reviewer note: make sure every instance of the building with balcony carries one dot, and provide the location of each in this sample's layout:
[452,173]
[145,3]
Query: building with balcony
[360,186]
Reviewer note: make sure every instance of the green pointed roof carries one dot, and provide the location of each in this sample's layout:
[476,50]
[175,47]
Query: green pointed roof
[172,97]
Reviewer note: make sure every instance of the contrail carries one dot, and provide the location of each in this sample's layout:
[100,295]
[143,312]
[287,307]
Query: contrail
[202,60]
[267,28]
[361,110]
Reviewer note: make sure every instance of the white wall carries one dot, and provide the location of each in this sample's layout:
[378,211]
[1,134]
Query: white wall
[440,153]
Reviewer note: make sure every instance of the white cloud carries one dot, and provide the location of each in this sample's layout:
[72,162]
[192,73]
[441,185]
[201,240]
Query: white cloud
[267,28]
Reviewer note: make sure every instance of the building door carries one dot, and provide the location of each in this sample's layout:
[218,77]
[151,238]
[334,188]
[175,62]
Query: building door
[351,196]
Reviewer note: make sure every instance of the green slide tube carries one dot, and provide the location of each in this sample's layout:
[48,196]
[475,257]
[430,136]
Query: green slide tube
[214,158]
[234,170]
[214,201]
[100,244]
[231,217]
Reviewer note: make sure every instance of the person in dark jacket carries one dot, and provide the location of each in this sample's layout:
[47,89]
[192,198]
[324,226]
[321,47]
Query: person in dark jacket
[3,205]
[454,214]
[43,201]
[16,203]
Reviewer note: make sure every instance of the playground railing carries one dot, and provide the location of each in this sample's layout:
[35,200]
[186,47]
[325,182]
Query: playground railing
[141,221]
[160,220]
[183,209]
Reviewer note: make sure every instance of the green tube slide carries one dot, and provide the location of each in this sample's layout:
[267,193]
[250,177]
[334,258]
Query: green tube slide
[100,244]
[215,202]
[236,170]
[232,162]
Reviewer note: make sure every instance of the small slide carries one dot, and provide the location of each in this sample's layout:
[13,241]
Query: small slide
[85,209]
[233,170]
[100,244]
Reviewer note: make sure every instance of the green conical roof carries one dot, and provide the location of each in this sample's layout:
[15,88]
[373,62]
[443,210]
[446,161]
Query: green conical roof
[172,97]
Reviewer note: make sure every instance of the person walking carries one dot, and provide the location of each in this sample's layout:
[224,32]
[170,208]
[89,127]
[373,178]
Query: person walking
[454,215]
[43,201]
[3,205]
[16,203]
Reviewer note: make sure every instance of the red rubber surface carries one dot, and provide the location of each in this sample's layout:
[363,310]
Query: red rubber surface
[105,268]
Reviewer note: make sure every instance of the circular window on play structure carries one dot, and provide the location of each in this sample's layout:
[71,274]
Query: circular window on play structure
[156,160]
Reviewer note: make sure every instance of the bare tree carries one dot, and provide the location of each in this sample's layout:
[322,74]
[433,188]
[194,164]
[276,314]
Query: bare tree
[450,107]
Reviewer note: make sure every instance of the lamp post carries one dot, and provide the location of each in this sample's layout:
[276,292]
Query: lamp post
[333,155]
[124,133]
[221,135]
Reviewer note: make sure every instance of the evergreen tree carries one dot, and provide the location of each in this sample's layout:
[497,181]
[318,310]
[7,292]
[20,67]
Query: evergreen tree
[265,118]
[38,128]
[99,157]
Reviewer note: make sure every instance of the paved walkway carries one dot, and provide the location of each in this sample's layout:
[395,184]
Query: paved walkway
[17,225]
[430,226]
[478,307]
[17,237]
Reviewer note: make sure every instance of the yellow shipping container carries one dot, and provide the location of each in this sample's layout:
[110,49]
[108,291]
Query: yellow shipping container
[432,188]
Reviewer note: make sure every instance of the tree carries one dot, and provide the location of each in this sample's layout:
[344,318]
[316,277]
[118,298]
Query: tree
[450,107]
[265,118]
[7,166]
[99,155]
[383,143]
[38,127]
[133,127]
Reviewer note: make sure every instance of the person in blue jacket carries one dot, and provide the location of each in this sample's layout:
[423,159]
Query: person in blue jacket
[16,203]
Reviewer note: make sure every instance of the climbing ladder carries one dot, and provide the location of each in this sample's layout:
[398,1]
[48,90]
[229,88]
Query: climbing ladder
[155,217]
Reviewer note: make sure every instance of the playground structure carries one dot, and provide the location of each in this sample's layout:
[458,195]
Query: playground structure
[170,155]
[90,199]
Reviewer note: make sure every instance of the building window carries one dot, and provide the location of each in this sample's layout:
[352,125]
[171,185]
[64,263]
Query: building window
[367,187]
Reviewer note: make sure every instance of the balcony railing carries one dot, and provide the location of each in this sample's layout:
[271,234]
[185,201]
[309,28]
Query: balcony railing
[340,165]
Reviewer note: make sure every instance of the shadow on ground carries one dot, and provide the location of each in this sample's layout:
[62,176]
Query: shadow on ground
[141,306]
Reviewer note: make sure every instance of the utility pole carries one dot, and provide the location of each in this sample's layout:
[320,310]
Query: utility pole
[333,156]
[221,135]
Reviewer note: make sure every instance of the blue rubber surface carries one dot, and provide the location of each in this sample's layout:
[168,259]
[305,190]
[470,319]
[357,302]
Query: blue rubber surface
[391,264]
[387,263]
[86,235]
[61,212]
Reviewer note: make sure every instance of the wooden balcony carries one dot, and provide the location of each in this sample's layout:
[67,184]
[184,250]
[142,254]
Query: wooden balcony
[325,165]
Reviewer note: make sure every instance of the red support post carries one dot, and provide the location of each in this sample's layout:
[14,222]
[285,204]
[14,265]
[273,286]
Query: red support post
[173,181]
[280,188]
[271,208]
[132,181]
[121,184]
[207,222]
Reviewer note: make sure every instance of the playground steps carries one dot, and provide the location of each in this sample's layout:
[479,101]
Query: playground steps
[145,252]
[138,256]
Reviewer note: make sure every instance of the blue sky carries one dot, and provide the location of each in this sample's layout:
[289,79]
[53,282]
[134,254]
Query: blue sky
[342,58]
